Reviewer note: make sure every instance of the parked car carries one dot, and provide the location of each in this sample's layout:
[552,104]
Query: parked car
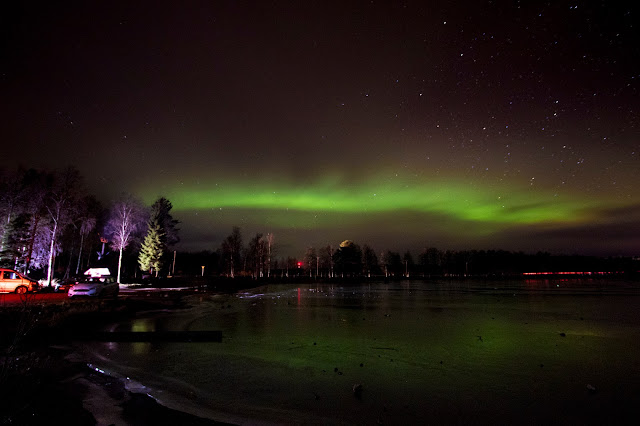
[64,285]
[101,286]
[13,281]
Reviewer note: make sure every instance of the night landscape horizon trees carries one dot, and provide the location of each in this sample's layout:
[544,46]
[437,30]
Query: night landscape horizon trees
[438,199]
[51,224]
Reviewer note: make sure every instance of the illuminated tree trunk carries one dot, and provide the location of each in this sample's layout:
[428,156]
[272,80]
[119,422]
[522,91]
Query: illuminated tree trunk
[119,264]
[32,241]
[270,241]
[61,205]
[51,247]
[80,253]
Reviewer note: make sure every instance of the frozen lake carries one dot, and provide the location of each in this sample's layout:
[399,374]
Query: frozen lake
[565,351]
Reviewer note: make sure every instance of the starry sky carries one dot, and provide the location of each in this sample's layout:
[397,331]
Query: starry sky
[460,125]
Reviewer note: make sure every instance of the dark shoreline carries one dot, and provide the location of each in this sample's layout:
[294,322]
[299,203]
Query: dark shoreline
[57,395]
[43,381]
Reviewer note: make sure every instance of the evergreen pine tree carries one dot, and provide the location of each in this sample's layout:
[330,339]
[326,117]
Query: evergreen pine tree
[150,258]
[14,242]
[161,214]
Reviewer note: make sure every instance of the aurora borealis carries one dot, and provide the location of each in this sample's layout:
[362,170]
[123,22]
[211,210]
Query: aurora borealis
[474,125]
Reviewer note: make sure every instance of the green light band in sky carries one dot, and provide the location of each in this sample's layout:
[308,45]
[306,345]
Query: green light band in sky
[460,201]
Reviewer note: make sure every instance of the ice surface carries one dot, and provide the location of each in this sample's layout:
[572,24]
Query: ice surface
[442,352]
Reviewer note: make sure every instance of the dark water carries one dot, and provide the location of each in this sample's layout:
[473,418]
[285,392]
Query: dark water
[437,352]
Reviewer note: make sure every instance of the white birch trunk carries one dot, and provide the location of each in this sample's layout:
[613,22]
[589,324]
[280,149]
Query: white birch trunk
[119,264]
[50,268]
[80,253]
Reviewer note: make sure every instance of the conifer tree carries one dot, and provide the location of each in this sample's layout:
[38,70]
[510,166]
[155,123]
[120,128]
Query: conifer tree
[161,214]
[150,258]
[14,242]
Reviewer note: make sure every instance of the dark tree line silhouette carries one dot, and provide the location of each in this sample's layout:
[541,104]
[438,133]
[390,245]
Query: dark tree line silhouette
[51,227]
[348,259]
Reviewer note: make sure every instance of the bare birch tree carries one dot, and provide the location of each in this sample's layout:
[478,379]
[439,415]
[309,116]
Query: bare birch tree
[126,218]
[60,205]
[232,250]
[86,222]
[269,245]
[36,190]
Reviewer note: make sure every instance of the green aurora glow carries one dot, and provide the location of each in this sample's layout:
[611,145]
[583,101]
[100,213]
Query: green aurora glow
[456,200]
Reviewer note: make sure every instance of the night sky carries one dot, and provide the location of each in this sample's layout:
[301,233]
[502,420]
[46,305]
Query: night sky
[402,125]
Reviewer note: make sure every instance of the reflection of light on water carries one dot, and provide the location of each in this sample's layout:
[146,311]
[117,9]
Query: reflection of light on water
[142,325]
[129,384]
[249,295]
[141,348]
